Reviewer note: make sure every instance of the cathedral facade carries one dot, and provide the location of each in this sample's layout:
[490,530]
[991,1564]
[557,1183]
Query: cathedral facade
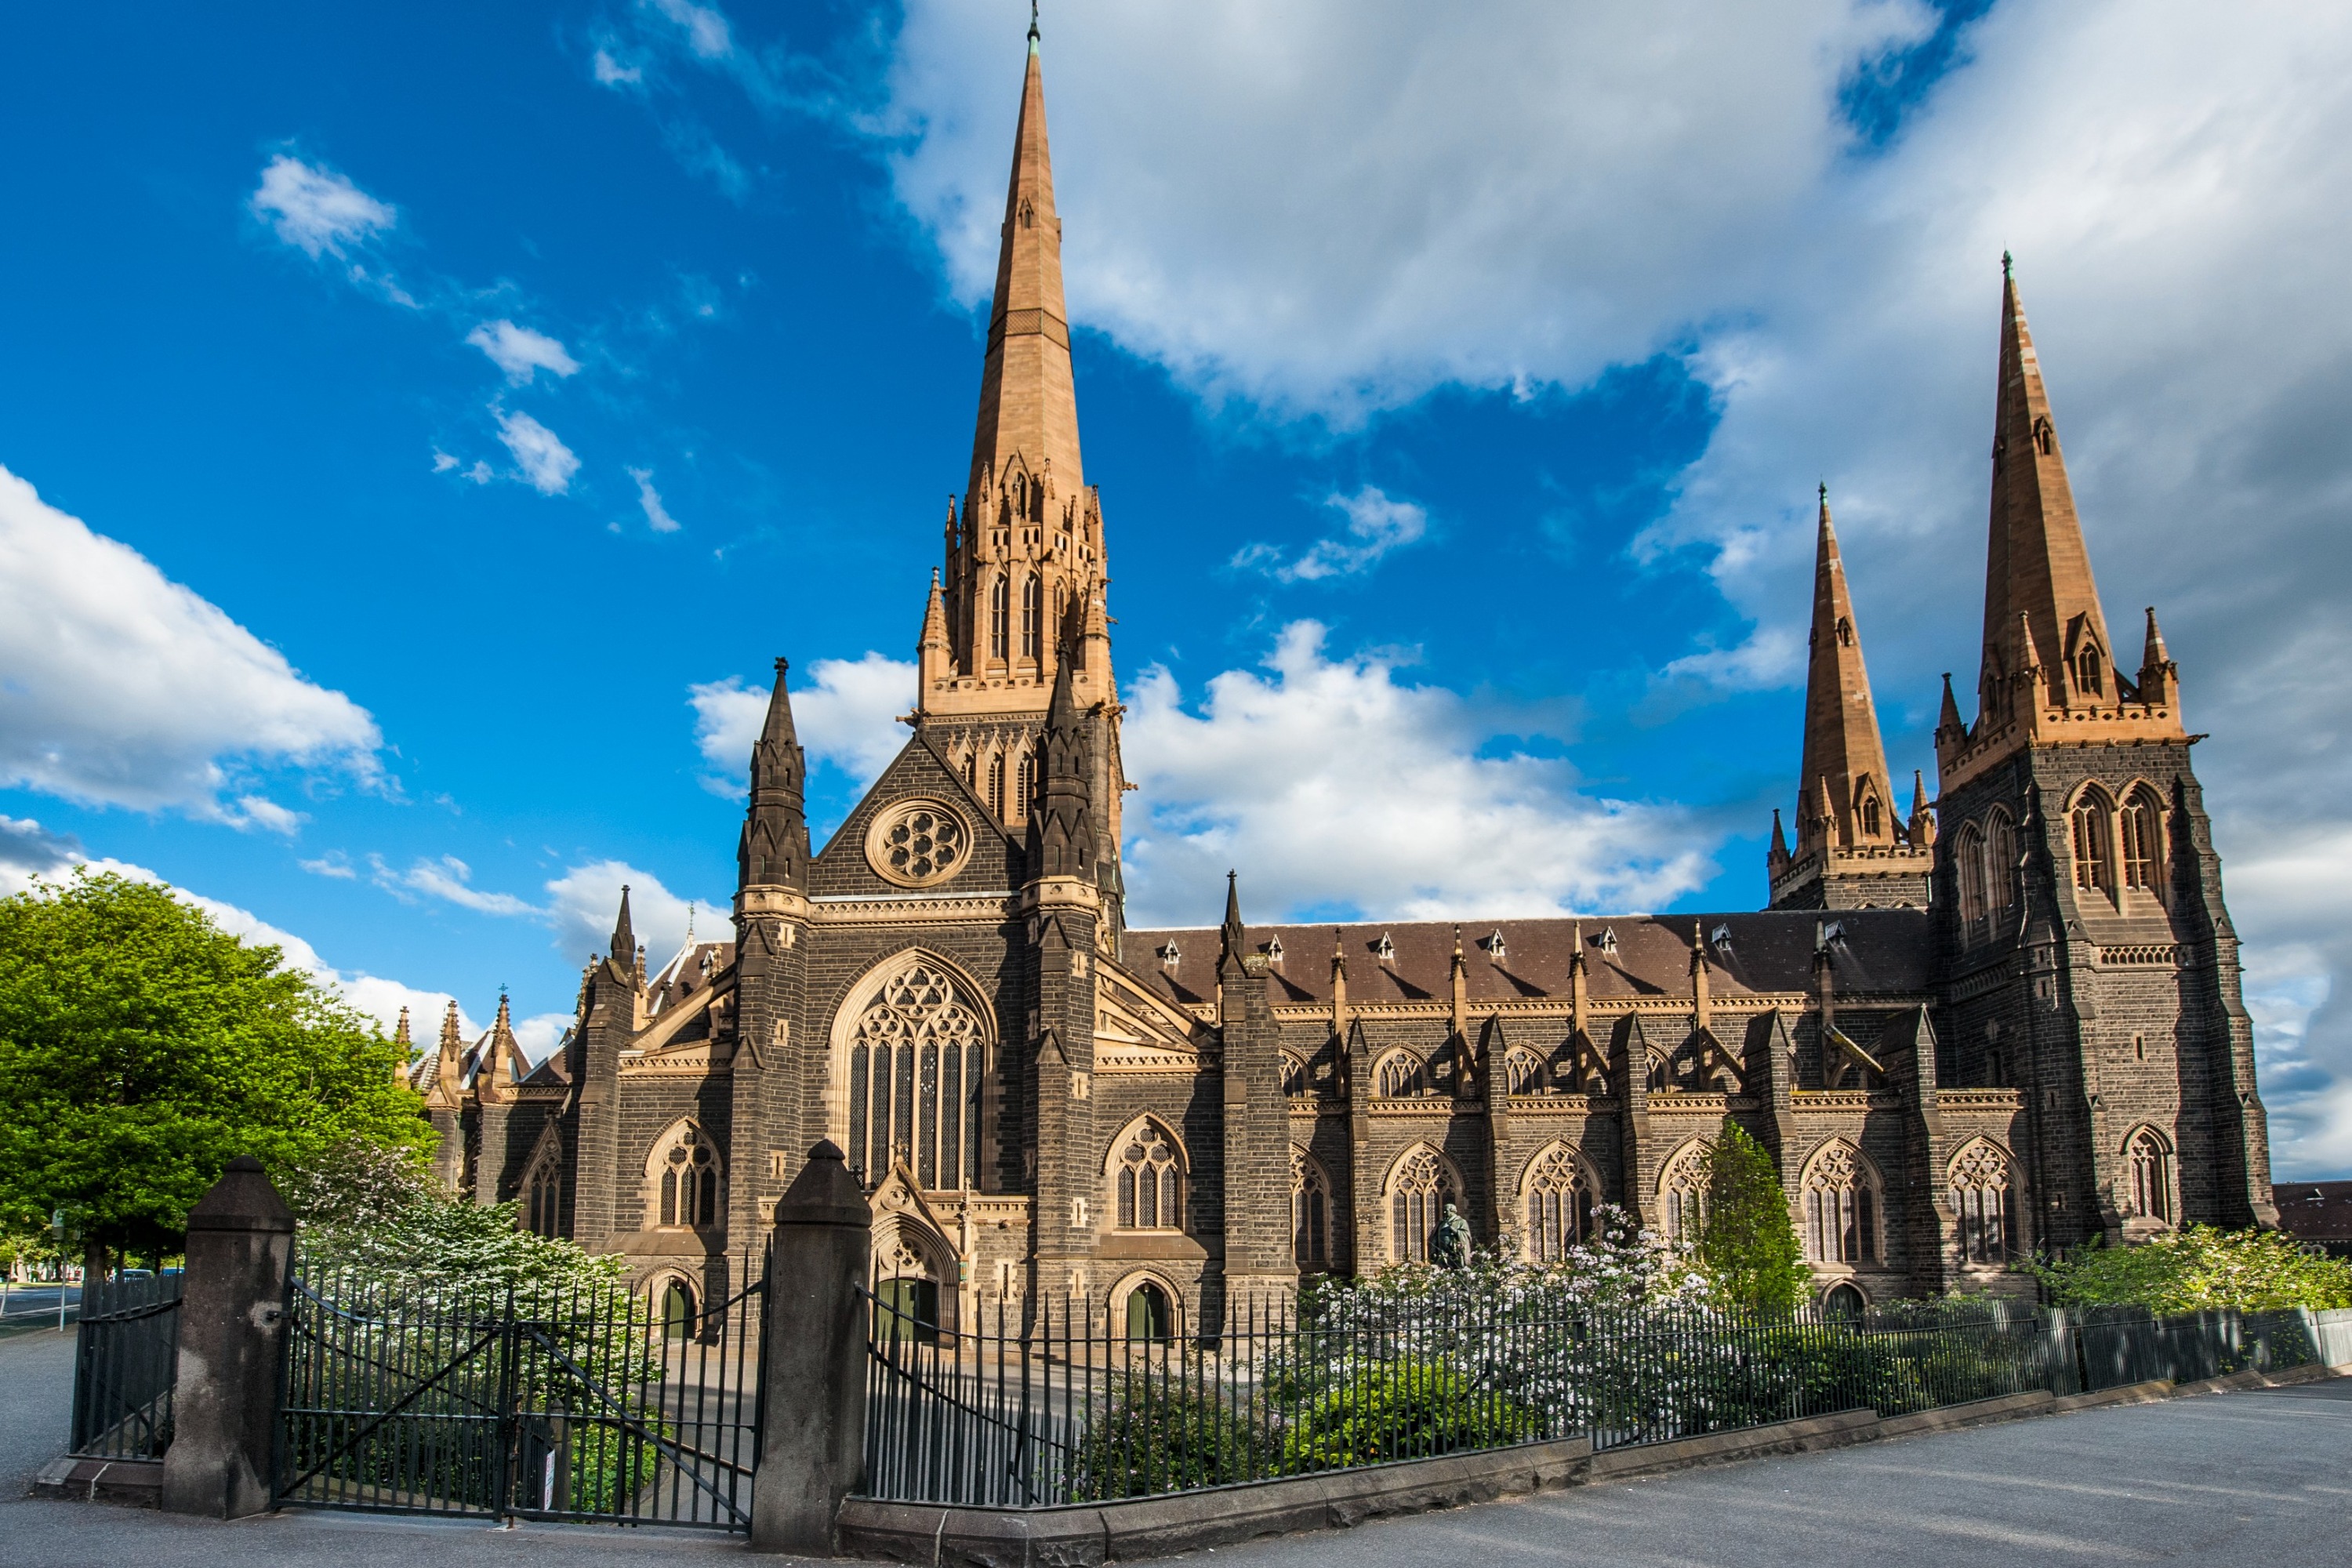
[2006,1019]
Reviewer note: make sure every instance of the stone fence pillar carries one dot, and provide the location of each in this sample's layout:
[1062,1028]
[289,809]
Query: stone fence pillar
[812,1453]
[233,1299]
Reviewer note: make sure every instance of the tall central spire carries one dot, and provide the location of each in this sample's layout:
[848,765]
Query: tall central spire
[1844,760]
[1025,574]
[1028,398]
[2037,568]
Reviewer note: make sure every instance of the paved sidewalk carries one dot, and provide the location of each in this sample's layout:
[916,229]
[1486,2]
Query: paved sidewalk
[2257,1477]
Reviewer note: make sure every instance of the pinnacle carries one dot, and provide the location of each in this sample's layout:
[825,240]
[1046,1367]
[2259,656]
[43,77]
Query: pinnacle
[1842,748]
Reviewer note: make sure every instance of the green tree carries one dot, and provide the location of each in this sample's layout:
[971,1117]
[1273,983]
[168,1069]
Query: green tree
[142,1048]
[2199,1268]
[1746,1243]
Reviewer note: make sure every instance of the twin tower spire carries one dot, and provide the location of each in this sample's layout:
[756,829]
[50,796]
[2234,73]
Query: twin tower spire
[2047,661]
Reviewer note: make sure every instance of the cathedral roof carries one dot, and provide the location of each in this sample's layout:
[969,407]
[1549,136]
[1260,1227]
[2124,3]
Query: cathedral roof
[1626,957]
[697,964]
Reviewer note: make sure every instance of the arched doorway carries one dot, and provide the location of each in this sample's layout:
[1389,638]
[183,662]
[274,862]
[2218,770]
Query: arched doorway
[1149,1313]
[906,1307]
[677,1316]
[1842,1304]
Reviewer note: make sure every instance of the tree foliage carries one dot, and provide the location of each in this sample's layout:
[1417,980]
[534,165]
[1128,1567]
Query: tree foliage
[1746,1243]
[2199,1268]
[142,1048]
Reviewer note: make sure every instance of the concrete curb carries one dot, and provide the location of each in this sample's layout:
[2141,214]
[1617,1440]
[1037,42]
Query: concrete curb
[137,1482]
[1091,1534]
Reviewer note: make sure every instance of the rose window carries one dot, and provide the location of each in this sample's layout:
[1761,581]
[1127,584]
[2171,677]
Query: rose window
[918,843]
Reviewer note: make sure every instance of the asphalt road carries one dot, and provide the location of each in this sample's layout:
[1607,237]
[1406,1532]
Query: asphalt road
[2244,1478]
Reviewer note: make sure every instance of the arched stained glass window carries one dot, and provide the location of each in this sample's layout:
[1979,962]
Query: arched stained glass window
[2148,1169]
[2094,852]
[1982,1201]
[1682,1194]
[1558,1204]
[1840,1206]
[1147,1174]
[1419,1188]
[684,1177]
[1311,1210]
[1000,618]
[915,1065]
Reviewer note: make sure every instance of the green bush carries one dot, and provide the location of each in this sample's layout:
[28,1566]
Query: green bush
[1163,1435]
[1747,1244]
[2199,1268]
[1403,1409]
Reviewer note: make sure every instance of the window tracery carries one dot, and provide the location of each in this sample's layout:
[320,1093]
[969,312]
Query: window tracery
[1523,1071]
[916,843]
[1033,615]
[1000,618]
[1294,1077]
[1984,1203]
[2000,861]
[684,1175]
[2148,1161]
[1968,862]
[1402,1076]
[2142,822]
[1682,1193]
[2094,866]
[542,1192]
[916,1060]
[1420,1185]
[1311,1210]
[1559,1191]
[1148,1178]
[1842,1206]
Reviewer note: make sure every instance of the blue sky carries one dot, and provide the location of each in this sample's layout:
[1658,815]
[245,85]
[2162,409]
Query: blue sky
[477,402]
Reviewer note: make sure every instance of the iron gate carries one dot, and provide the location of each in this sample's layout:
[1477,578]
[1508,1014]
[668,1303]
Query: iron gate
[126,1357]
[570,1404]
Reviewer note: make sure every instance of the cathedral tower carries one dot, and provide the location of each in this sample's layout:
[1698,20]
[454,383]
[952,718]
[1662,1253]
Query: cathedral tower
[1853,850]
[1024,585]
[2089,961]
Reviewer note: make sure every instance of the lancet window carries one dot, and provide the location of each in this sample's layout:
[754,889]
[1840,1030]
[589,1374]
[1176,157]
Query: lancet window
[916,1059]
[1402,1076]
[1293,1078]
[1682,1193]
[1420,1185]
[1033,615]
[2142,821]
[1148,1177]
[1558,1204]
[1524,1071]
[1842,1204]
[996,787]
[1024,787]
[2000,862]
[2148,1161]
[1984,1202]
[2093,864]
[1968,862]
[1311,1210]
[1000,618]
[684,1175]
[542,1192]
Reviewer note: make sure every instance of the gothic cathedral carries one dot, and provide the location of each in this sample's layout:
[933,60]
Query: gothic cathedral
[2009,1018]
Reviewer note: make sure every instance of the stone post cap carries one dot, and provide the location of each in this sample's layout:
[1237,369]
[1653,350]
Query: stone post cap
[824,1192]
[242,1199]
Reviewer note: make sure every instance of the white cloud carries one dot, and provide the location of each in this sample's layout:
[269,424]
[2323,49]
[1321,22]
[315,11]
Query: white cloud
[1335,787]
[27,850]
[1377,523]
[449,879]
[848,717]
[704,27]
[317,209]
[521,352]
[649,499]
[612,73]
[125,689]
[582,902]
[545,461]
[334,864]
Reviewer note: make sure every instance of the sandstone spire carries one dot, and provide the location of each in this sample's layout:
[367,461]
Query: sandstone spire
[1841,740]
[2036,564]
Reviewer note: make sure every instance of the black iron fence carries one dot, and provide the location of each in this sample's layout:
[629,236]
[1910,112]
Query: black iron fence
[1063,1407]
[561,1404]
[126,1355]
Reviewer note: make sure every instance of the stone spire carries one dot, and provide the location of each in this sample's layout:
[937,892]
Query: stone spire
[1843,749]
[2036,566]
[1230,937]
[624,937]
[405,1047]
[1026,565]
[448,1084]
[1062,840]
[2160,677]
[774,849]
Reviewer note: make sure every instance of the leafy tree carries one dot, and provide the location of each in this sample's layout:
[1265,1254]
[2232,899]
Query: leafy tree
[1746,1243]
[142,1048]
[2199,1268]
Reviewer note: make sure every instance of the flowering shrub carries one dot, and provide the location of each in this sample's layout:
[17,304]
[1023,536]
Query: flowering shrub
[2199,1269]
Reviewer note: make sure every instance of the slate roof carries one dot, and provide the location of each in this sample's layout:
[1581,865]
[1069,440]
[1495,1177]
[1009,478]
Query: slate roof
[1625,956]
[2315,1211]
